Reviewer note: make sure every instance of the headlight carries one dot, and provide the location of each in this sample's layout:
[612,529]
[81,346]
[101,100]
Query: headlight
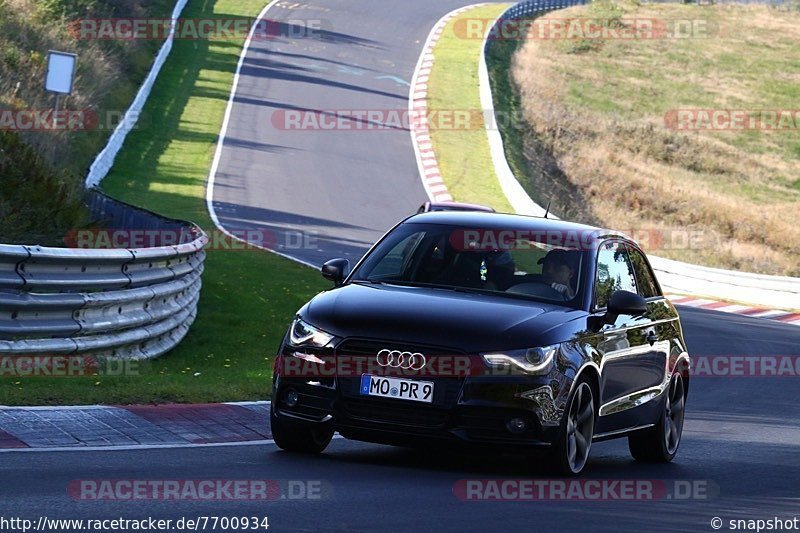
[304,334]
[531,361]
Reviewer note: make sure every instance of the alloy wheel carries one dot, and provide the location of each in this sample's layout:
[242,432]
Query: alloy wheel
[580,427]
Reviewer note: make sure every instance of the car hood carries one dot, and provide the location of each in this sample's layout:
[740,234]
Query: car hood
[465,321]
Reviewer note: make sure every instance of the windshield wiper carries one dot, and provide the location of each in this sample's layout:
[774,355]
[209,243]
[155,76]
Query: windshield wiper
[400,283]
[423,285]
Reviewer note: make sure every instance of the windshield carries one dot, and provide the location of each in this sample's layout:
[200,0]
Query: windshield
[509,262]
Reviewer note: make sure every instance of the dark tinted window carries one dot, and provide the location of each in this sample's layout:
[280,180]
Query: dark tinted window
[614,272]
[644,277]
[396,260]
[510,262]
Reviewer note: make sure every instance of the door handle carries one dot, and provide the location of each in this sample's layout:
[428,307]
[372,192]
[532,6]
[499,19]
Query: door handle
[651,337]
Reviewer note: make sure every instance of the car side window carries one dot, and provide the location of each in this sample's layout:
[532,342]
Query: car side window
[644,275]
[614,272]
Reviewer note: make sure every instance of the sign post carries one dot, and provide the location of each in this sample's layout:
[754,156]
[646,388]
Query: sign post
[59,77]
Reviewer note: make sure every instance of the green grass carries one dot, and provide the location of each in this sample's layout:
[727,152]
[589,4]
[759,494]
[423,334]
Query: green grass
[463,154]
[464,157]
[248,297]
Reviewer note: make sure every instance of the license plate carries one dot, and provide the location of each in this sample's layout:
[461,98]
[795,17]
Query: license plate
[399,388]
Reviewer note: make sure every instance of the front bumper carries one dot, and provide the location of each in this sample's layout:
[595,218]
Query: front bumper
[472,402]
[468,411]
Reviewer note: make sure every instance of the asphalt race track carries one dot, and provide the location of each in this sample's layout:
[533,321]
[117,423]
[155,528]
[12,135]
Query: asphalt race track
[739,445]
[350,187]
[740,442]
[342,188]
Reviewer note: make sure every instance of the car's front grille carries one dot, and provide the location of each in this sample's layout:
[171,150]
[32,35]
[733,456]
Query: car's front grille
[396,412]
[446,389]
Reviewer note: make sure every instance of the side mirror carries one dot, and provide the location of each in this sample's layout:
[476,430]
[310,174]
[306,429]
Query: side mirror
[625,303]
[336,270]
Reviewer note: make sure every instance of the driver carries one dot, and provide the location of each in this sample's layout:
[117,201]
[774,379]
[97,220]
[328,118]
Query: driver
[559,268]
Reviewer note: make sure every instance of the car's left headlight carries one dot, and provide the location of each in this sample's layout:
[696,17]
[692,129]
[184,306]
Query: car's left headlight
[530,361]
[304,334]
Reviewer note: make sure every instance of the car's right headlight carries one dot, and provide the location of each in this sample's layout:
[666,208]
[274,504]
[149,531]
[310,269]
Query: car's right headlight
[530,361]
[304,334]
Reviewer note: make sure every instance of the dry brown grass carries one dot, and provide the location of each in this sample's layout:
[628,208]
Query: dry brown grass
[600,112]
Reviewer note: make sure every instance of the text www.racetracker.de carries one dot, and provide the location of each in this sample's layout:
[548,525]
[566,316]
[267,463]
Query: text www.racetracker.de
[198,523]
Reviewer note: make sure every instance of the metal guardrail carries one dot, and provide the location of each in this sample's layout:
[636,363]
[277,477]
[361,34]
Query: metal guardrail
[131,303]
[536,8]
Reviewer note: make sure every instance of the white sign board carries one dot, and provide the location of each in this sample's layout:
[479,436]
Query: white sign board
[60,71]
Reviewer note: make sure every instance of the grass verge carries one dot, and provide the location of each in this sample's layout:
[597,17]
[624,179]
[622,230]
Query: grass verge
[463,153]
[607,114]
[589,131]
[248,297]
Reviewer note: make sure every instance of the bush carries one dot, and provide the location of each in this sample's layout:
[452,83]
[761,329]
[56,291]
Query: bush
[11,56]
[608,12]
[68,9]
[38,204]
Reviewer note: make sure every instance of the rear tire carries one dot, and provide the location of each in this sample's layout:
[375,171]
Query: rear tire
[660,443]
[299,438]
[577,430]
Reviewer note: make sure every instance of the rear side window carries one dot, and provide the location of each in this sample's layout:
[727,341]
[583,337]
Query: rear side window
[614,272]
[644,276]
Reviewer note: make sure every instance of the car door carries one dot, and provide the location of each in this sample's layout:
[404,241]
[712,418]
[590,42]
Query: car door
[630,365]
[662,326]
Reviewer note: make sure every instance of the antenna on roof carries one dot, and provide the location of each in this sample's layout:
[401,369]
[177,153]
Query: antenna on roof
[547,211]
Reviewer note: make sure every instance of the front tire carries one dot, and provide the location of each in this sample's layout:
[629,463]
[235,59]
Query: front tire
[659,444]
[577,430]
[299,438]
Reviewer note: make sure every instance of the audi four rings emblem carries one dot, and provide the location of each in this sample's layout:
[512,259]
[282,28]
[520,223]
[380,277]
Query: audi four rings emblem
[398,359]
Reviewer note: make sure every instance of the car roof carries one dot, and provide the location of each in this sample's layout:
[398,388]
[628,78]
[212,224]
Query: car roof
[453,206]
[480,219]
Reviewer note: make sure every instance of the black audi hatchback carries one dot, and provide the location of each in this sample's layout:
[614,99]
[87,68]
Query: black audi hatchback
[492,330]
